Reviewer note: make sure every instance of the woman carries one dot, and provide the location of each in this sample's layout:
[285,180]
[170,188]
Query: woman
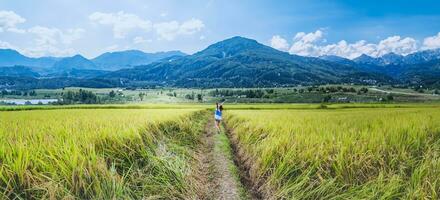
[218,115]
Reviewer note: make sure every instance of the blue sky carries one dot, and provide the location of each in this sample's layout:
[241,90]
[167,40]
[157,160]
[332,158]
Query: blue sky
[311,28]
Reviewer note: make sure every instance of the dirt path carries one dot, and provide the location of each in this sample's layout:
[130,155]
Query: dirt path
[217,167]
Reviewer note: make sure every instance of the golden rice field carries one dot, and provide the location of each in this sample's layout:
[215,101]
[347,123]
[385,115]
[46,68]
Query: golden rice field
[97,153]
[362,153]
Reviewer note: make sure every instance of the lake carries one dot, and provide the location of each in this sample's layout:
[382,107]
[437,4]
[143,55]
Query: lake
[32,101]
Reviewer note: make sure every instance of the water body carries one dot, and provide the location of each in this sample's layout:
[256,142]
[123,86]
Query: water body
[28,101]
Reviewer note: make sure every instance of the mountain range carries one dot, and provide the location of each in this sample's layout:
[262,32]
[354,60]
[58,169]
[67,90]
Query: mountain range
[234,62]
[109,61]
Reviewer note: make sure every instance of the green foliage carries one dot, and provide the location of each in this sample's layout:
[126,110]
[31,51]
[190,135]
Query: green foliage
[327,98]
[112,94]
[142,95]
[79,97]
[390,97]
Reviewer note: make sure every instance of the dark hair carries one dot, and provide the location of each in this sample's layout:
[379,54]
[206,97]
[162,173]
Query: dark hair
[220,107]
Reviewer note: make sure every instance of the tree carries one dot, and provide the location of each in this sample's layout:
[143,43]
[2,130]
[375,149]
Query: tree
[189,96]
[390,97]
[199,97]
[364,90]
[82,97]
[310,89]
[112,94]
[327,98]
[142,95]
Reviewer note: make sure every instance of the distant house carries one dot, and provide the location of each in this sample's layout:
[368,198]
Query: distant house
[343,100]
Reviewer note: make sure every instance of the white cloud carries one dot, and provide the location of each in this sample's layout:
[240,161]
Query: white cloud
[140,40]
[167,30]
[170,30]
[6,45]
[52,41]
[309,37]
[9,21]
[432,42]
[71,35]
[122,23]
[45,35]
[279,43]
[191,26]
[313,44]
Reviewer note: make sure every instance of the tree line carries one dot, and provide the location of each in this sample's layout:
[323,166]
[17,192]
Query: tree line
[18,93]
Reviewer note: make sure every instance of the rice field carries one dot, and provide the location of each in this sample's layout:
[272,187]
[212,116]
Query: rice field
[98,153]
[289,151]
[361,153]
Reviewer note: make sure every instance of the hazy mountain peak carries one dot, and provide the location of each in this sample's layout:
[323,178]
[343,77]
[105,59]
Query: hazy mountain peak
[74,62]
[234,46]
[129,58]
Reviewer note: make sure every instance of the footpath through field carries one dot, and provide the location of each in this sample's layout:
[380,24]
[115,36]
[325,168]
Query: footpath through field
[217,167]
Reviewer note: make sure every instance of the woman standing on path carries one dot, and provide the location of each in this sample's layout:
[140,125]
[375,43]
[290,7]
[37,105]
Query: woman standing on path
[218,115]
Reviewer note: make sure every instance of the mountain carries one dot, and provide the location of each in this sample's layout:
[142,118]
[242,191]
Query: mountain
[130,58]
[392,59]
[427,73]
[235,62]
[74,62]
[9,58]
[78,73]
[337,59]
[106,61]
[240,62]
[18,71]
[368,60]
[395,59]
[422,56]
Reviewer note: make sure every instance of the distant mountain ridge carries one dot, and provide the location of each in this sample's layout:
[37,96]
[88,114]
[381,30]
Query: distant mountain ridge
[107,61]
[234,62]
[239,62]
[129,58]
[395,59]
[9,58]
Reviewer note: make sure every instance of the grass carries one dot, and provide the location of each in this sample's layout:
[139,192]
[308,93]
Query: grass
[362,153]
[223,146]
[230,106]
[98,153]
[294,151]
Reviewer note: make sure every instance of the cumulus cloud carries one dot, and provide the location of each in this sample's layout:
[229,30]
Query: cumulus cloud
[48,41]
[432,42]
[122,23]
[279,43]
[53,36]
[6,45]
[9,20]
[71,35]
[170,30]
[314,44]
